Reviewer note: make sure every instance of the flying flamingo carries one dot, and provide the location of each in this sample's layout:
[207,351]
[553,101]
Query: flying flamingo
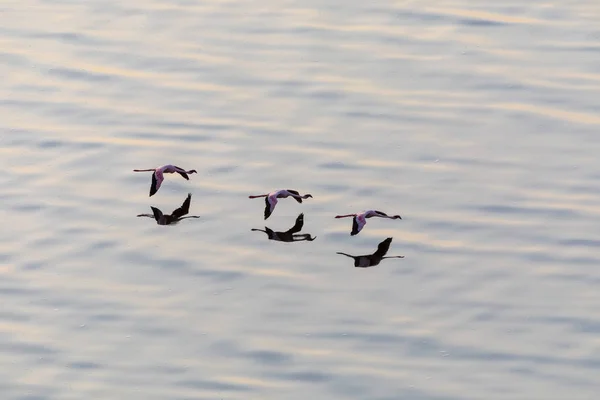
[158,177]
[359,220]
[176,216]
[371,260]
[271,199]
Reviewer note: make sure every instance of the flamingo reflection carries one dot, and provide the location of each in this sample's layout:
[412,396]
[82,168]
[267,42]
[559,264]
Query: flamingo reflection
[291,235]
[176,216]
[371,260]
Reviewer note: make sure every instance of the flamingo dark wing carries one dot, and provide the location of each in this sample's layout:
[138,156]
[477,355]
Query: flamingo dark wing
[184,209]
[270,233]
[382,248]
[154,186]
[157,214]
[183,174]
[297,226]
[355,229]
[298,199]
[268,209]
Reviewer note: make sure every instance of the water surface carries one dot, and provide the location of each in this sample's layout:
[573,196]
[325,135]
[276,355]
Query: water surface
[477,123]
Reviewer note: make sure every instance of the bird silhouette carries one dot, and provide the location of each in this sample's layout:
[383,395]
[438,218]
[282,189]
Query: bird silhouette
[291,235]
[176,216]
[359,220]
[158,175]
[371,260]
[271,199]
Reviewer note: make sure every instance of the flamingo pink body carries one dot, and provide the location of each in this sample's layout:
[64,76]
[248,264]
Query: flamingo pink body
[360,220]
[271,199]
[158,175]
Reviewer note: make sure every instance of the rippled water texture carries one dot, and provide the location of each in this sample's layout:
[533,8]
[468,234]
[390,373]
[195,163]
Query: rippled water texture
[477,122]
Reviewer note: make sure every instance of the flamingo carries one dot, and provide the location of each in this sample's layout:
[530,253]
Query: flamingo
[359,220]
[370,260]
[271,199]
[291,235]
[176,216]
[158,177]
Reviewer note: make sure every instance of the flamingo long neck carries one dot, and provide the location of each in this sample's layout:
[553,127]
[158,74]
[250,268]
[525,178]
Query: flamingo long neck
[258,195]
[345,216]
[144,170]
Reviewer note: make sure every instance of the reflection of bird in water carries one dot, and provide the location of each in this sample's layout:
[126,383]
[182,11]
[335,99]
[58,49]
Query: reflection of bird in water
[359,220]
[158,175]
[370,260]
[291,235]
[176,216]
[271,199]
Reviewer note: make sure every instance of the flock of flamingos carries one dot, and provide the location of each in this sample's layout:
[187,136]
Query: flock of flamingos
[291,235]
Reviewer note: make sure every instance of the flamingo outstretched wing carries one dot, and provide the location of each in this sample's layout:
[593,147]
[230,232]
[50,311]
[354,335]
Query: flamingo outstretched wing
[268,208]
[181,172]
[155,185]
[298,199]
[357,226]
[157,213]
[297,226]
[184,209]
[383,247]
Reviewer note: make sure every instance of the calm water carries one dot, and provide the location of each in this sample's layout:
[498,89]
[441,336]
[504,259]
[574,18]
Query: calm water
[477,122]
